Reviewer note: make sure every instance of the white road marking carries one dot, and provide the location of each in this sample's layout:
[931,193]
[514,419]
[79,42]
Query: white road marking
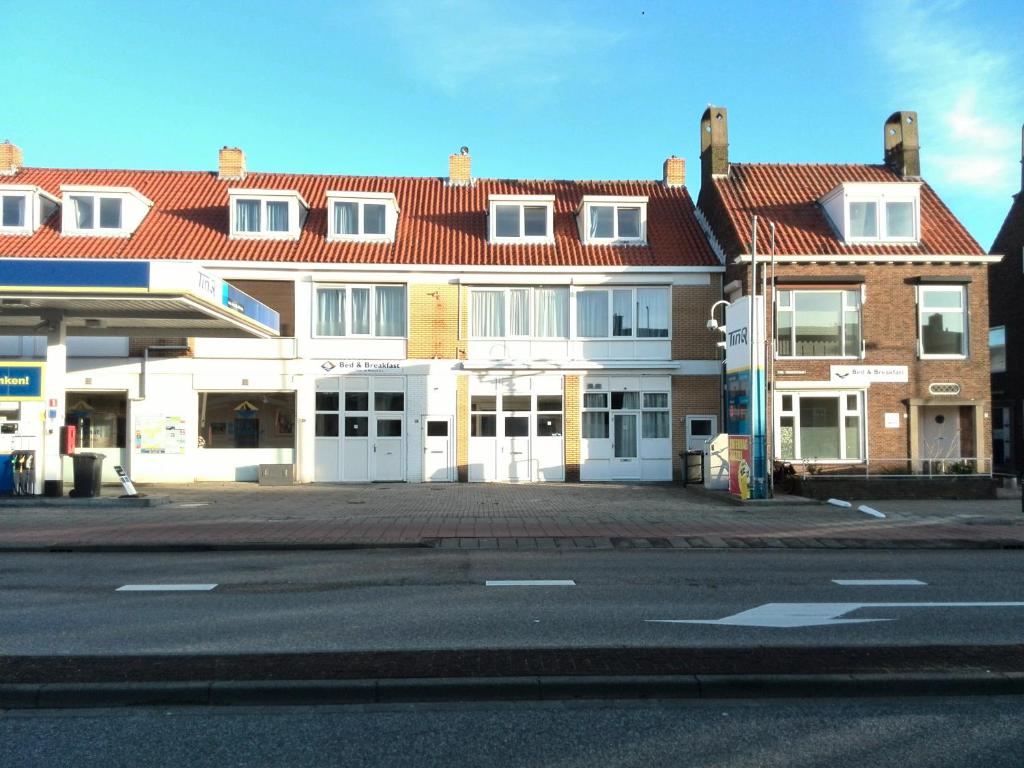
[790,615]
[166,588]
[870,511]
[531,583]
[839,503]
[194,504]
[880,582]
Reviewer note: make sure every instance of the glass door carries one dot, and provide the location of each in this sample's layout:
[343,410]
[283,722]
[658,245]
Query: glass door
[625,461]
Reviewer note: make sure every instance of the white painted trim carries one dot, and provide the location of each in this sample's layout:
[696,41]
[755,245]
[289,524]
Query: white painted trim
[466,271]
[700,367]
[839,258]
[90,189]
[267,193]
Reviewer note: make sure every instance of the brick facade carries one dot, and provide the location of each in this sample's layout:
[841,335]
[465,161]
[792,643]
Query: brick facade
[571,405]
[462,428]
[692,396]
[433,321]
[691,308]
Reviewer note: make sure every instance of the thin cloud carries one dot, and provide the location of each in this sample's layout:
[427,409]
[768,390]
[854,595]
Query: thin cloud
[968,92]
[455,43]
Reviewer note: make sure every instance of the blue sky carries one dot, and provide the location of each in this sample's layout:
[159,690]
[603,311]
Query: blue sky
[550,89]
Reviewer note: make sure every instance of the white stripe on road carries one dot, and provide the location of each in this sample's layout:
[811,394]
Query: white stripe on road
[531,583]
[880,582]
[166,588]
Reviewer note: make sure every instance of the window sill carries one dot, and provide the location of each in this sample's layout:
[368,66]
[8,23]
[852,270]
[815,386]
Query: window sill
[331,238]
[96,233]
[826,357]
[942,357]
[265,235]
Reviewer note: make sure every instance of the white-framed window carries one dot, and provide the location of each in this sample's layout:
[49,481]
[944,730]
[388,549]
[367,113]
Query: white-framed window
[366,216]
[818,323]
[519,312]
[15,212]
[606,220]
[360,310]
[266,214]
[819,425]
[521,218]
[997,348]
[102,211]
[942,321]
[871,212]
[627,312]
[653,407]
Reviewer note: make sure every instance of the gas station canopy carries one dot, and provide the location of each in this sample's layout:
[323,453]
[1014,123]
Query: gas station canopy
[127,298]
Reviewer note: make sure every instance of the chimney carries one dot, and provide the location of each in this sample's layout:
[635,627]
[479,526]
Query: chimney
[674,172]
[232,164]
[10,159]
[902,149]
[459,169]
[714,142]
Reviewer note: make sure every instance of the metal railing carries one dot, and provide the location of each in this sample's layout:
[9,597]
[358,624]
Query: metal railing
[963,466]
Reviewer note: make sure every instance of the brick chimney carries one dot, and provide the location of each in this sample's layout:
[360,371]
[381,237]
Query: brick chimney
[674,172]
[902,148]
[714,142]
[10,159]
[459,174]
[232,164]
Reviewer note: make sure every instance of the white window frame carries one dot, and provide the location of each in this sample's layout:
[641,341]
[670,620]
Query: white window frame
[844,412]
[574,319]
[362,199]
[528,201]
[590,201]
[134,208]
[297,208]
[506,291]
[779,309]
[922,291]
[39,206]
[371,308]
[25,228]
[837,202]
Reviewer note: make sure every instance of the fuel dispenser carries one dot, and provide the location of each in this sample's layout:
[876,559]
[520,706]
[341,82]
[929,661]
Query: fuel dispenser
[20,445]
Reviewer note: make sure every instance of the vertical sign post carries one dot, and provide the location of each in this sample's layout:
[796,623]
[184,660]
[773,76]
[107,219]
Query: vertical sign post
[744,387]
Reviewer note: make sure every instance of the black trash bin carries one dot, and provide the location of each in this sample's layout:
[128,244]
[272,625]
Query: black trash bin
[88,469]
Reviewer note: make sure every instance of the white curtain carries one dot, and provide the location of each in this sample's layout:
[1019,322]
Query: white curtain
[488,314]
[83,212]
[247,215]
[652,312]
[655,424]
[361,310]
[625,437]
[519,312]
[277,217]
[346,218]
[330,312]
[602,221]
[552,312]
[390,301]
[592,314]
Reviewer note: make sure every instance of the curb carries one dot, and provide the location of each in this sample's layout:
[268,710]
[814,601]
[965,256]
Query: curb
[102,502]
[422,690]
[514,543]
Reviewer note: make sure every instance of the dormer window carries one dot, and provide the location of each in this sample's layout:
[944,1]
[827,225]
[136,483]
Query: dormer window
[263,213]
[521,218]
[605,220]
[371,216]
[875,213]
[23,208]
[102,211]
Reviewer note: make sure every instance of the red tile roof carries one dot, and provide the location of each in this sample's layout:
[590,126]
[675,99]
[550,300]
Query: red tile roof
[788,194]
[438,224]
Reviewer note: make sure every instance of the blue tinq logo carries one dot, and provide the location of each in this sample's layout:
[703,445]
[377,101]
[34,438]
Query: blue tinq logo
[21,382]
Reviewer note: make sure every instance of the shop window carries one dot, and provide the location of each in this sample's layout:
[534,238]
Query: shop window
[820,426]
[99,419]
[249,419]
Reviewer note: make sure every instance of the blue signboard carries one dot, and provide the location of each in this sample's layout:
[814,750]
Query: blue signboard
[73,273]
[21,381]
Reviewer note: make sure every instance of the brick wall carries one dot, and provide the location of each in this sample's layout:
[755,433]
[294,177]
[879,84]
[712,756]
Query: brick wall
[433,322]
[137,346]
[571,406]
[696,396]
[691,309]
[890,330]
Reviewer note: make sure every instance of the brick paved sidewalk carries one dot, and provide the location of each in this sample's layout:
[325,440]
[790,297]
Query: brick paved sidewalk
[239,515]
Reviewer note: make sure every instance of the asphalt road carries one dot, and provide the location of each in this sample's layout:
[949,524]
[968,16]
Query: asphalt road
[429,599]
[840,733]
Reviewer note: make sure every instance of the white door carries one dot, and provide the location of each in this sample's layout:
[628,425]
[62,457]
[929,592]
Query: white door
[386,454]
[515,458]
[700,429]
[625,458]
[940,432]
[438,450]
